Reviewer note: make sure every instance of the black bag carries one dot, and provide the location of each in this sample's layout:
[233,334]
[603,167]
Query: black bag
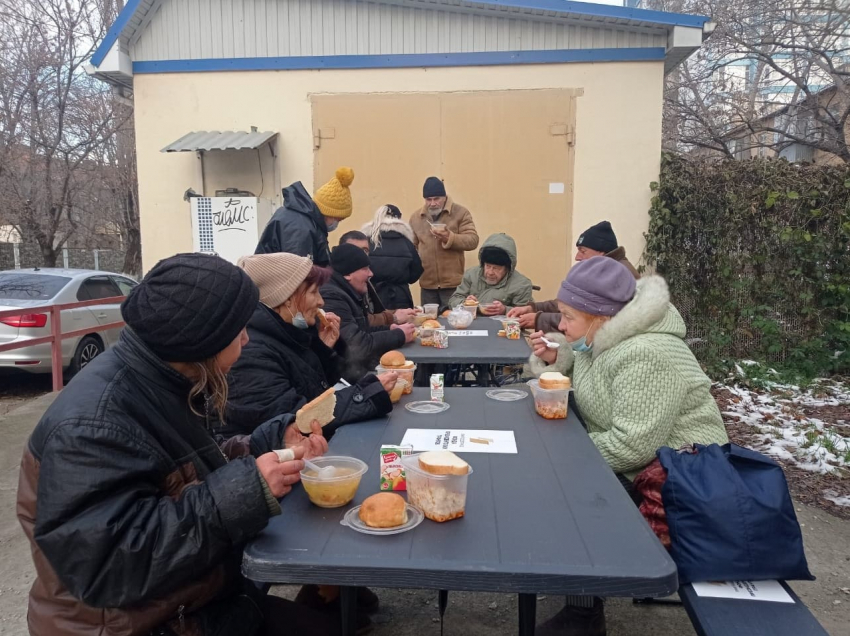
[730,516]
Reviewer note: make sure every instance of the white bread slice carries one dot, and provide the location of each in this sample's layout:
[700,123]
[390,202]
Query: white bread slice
[443,463]
[554,380]
[321,409]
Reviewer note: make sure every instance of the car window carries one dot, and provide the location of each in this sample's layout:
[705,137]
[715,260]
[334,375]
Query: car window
[97,287]
[30,286]
[124,284]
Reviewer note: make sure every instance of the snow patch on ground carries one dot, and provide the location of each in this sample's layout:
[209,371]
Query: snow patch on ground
[783,430]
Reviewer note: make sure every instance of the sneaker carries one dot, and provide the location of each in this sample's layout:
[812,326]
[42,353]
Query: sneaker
[575,621]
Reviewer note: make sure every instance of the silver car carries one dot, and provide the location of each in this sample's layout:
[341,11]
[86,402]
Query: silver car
[27,288]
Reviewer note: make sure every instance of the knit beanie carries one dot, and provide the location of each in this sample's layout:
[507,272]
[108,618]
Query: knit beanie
[599,237]
[348,258]
[190,307]
[334,198]
[600,286]
[495,256]
[433,188]
[276,275]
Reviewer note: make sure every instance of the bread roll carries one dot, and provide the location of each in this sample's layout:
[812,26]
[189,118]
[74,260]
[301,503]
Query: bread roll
[443,463]
[393,360]
[554,380]
[383,510]
[321,409]
[431,324]
[323,319]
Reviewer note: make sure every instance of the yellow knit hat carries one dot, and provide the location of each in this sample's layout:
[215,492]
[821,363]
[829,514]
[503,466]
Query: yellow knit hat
[334,198]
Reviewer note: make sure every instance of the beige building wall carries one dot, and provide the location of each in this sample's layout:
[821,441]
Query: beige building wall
[618,138]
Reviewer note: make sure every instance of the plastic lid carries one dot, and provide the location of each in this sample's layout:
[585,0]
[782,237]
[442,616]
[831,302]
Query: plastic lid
[353,521]
[506,395]
[427,408]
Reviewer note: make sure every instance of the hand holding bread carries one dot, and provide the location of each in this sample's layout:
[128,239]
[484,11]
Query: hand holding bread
[328,328]
[314,445]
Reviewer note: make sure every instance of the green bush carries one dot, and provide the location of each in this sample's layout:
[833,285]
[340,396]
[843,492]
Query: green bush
[757,256]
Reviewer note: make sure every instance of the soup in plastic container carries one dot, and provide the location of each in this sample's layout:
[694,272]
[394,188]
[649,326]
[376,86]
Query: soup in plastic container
[338,490]
[405,374]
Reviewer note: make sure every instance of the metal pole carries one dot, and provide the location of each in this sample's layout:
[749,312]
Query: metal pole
[97,264]
[16,250]
[56,346]
[65,257]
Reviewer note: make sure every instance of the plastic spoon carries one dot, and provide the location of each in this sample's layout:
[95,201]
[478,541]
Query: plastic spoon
[324,472]
[549,343]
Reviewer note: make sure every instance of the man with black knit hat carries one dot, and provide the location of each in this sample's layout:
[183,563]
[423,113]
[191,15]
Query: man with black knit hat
[597,240]
[345,295]
[442,231]
[496,284]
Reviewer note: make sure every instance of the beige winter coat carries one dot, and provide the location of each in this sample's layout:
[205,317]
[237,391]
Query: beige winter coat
[444,263]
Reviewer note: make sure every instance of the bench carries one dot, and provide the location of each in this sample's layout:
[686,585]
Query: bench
[731,617]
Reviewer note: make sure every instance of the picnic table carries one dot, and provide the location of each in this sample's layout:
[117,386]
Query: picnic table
[550,519]
[481,351]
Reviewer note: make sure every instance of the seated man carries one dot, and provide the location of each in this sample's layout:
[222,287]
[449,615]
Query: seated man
[345,295]
[378,316]
[495,282]
[598,240]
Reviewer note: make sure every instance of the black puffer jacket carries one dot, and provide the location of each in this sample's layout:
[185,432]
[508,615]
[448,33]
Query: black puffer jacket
[135,515]
[395,264]
[282,368]
[366,344]
[298,228]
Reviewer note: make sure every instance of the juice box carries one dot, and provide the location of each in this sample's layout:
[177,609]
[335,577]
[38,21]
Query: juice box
[392,471]
[438,383]
[512,330]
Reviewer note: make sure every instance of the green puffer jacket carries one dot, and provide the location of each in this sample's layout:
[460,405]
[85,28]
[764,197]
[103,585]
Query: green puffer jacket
[514,290]
[640,387]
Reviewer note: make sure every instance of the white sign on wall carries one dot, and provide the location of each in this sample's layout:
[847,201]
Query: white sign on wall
[228,226]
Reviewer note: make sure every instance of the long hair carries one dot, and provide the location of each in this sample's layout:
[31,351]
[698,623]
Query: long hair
[381,214]
[210,383]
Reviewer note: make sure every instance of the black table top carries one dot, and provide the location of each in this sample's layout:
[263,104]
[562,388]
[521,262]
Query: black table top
[551,519]
[489,349]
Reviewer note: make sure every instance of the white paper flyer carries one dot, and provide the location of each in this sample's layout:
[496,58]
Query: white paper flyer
[745,590]
[460,441]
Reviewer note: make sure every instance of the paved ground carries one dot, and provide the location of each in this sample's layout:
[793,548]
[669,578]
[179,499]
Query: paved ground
[414,612]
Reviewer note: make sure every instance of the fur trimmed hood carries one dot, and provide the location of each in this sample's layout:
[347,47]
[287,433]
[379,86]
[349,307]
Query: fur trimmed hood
[649,311]
[390,224]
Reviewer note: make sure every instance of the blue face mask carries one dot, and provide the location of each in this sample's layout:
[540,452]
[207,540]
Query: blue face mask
[580,345]
[298,320]
[333,226]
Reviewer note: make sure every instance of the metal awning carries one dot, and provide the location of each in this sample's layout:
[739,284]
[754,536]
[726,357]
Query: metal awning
[214,140]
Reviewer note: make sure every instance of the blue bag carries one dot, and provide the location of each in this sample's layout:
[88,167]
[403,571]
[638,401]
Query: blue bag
[730,516]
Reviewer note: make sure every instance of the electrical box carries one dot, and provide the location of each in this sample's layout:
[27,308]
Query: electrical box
[229,226]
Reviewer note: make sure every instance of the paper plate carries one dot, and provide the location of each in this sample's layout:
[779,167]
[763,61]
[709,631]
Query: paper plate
[506,395]
[427,408]
[352,520]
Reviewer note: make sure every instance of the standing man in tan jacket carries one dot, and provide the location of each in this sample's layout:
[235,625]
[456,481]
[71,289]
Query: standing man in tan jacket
[442,231]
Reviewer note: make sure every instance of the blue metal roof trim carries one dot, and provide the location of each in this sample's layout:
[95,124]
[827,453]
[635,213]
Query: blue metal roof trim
[602,11]
[115,31]
[412,60]
[559,6]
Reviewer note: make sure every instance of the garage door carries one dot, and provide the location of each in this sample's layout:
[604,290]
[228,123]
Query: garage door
[506,155]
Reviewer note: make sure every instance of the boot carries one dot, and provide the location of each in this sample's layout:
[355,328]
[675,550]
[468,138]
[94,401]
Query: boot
[575,621]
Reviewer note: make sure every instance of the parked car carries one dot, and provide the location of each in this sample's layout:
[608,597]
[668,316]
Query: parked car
[26,289]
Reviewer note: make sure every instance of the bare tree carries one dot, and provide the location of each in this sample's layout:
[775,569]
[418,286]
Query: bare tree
[775,73]
[55,119]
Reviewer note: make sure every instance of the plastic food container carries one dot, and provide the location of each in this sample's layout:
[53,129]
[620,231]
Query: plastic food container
[473,309]
[430,310]
[550,403]
[439,497]
[460,319]
[403,374]
[338,491]
[398,390]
